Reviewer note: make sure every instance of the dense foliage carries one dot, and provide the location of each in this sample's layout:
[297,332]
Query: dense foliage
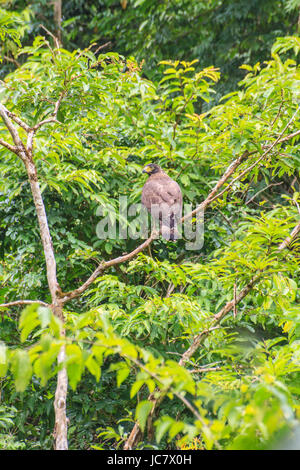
[128,331]
[223,33]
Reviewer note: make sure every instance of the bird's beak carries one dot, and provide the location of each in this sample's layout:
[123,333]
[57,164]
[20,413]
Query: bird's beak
[146,169]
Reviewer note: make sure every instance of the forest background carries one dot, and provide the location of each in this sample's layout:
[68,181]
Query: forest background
[126,343]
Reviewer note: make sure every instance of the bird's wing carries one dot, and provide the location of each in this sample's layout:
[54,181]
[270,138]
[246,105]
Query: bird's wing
[161,191]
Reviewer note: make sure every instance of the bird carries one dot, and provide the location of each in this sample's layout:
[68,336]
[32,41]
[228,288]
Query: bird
[162,197]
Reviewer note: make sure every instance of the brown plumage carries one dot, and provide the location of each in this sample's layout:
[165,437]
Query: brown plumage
[162,197]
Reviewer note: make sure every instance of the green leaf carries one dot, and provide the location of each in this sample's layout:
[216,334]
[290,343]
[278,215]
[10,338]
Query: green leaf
[45,315]
[22,369]
[74,362]
[142,411]
[122,371]
[29,320]
[93,367]
[3,359]
[136,387]
[162,426]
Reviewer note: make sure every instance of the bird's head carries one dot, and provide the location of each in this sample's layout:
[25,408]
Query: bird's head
[151,168]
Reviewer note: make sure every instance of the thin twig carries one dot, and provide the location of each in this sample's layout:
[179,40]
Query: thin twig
[103,46]
[262,190]
[55,39]
[234,300]
[279,110]
[202,370]
[12,60]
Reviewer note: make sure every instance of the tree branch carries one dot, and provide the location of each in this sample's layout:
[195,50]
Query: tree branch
[213,195]
[105,265]
[217,318]
[286,243]
[17,120]
[8,146]
[32,131]
[20,149]
[12,60]
[121,259]
[136,434]
[24,302]
[44,228]
[289,137]
[262,190]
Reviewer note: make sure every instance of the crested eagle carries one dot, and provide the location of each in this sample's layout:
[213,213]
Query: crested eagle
[163,199]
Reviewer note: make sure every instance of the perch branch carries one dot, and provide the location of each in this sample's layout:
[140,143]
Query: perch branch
[213,195]
[121,259]
[104,265]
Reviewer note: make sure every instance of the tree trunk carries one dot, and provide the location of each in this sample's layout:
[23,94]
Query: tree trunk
[61,424]
[57,19]
[60,402]
[44,228]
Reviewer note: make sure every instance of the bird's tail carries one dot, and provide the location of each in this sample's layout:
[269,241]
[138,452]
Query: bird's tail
[168,228]
[169,234]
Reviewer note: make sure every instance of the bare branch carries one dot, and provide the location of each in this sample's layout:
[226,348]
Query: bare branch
[42,123]
[18,120]
[262,190]
[60,403]
[297,205]
[279,110]
[26,156]
[103,46]
[55,39]
[44,227]
[217,318]
[121,259]
[8,146]
[53,118]
[210,198]
[20,149]
[12,60]
[234,301]
[24,302]
[202,370]
[104,265]
[213,195]
[231,304]
[289,137]
[289,239]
